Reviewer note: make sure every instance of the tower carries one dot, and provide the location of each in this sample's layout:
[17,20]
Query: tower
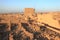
[29,11]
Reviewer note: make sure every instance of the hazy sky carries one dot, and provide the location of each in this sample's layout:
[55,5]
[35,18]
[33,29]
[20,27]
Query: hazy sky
[19,5]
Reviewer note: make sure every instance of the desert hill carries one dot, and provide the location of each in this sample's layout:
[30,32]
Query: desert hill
[30,25]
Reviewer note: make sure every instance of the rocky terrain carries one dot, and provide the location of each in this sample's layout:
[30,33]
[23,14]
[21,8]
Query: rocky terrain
[39,26]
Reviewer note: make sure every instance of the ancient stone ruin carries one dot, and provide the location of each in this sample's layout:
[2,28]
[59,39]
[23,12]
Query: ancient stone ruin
[30,25]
